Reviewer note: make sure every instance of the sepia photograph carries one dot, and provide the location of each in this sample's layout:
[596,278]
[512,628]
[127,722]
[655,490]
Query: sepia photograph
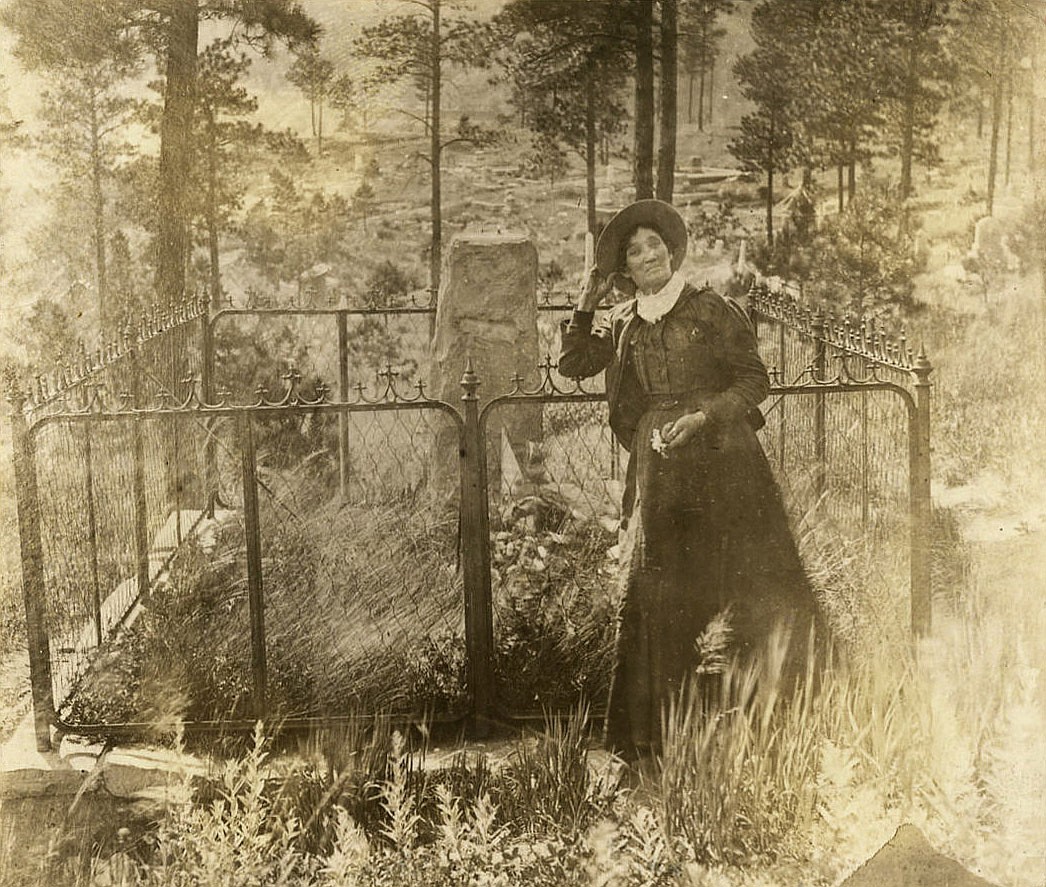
[523,442]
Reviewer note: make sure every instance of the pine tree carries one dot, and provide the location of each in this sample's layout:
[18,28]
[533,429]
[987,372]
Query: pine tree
[50,32]
[700,37]
[989,36]
[224,140]
[666,157]
[919,54]
[344,96]
[417,47]
[86,118]
[773,137]
[566,62]
[848,84]
[643,159]
[314,76]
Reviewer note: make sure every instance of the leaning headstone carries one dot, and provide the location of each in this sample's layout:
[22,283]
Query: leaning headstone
[487,314]
[908,860]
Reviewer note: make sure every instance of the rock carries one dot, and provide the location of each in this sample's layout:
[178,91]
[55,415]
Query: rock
[487,315]
[908,860]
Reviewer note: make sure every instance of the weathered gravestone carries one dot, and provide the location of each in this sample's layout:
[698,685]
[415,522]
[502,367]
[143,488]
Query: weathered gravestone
[487,314]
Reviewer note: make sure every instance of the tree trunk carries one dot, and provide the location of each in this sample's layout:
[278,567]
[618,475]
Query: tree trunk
[770,206]
[212,212]
[319,129]
[701,98]
[702,71]
[173,236]
[690,97]
[839,185]
[666,159]
[770,182]
[436,251]
[980,112]
[428,105]
[851,180]
[1009,126]
[644,148]
[590,153]
[908,120]
[98,199]
[711,90]
[993,152]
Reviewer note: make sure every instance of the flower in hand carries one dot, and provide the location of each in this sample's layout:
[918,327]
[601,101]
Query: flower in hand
[673,435]
[657,442]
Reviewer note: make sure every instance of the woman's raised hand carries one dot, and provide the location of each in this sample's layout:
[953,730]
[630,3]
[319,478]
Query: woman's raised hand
[596,288]
[676,434]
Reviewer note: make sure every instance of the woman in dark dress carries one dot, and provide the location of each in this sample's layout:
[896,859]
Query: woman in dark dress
[707,531]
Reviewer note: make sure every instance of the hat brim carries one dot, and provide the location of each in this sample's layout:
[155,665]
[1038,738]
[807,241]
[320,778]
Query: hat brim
[662,216]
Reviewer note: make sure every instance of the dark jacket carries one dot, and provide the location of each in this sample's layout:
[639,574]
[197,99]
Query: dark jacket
[734,382]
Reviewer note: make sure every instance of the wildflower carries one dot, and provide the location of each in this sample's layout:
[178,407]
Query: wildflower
[657,443]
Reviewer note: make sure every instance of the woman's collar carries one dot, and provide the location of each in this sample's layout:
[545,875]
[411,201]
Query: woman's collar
[654,306]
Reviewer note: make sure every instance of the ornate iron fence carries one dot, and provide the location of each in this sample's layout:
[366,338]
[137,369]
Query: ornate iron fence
[457,609]
[387,603]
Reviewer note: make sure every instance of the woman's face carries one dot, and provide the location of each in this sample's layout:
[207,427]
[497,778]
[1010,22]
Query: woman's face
[647,260]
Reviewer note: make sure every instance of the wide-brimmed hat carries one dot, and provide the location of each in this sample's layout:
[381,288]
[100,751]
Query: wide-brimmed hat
[656,214]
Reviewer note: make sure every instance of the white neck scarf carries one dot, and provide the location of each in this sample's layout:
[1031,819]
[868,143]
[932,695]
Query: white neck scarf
[654,306]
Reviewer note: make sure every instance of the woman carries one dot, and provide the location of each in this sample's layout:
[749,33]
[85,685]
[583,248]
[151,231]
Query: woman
[707,532]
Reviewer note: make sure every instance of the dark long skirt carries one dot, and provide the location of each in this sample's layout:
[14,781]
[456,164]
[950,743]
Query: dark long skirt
[708,532]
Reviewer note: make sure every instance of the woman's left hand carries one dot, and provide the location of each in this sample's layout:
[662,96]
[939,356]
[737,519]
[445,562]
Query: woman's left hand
[682,430]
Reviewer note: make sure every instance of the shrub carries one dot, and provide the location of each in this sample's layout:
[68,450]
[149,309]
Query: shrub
[387,284]
[866,253]
[554,612]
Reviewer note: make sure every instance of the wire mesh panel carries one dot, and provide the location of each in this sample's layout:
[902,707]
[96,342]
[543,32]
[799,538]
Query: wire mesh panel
[363,597]
[87,537]
[843,458]
[555,482]
[115,499]
[787,352]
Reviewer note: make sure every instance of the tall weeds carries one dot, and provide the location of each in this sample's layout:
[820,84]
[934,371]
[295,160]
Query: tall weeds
[740,759]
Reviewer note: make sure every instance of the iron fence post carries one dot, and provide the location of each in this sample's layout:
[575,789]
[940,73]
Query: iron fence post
[141,516]
[92,535]
[921,504]
[255,592]
[865,465]
[820,407]
[782,375]
[210,458]
[174,468]
[27,504]
[475,559]
[177,468]
[343,394]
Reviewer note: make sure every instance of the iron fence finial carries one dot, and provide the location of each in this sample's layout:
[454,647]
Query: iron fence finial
[922,366]
[469,381]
